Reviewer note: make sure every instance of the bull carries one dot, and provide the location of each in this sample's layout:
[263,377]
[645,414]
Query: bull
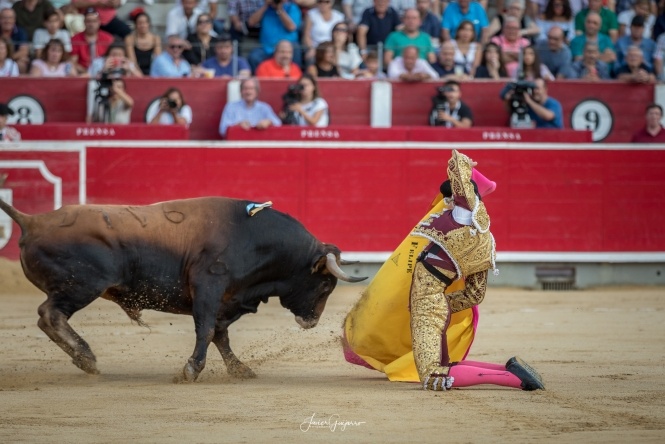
[211,258]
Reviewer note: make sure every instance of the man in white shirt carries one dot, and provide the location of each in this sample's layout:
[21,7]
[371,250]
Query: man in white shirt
[409,68]
[181,20]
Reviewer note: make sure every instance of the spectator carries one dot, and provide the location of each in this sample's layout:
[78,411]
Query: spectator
[202,42]
[239,12]
[446,66]
[625,5]
[115,61]
[634,69]
[592,27]
[636,38]
[400,6]
[17,36]
[281,65]
[142,44]
[53,62]
[410,68]
[589,68]
[608,25]
[353,11]
[491,63]
[8,67]
[658,55]
[90,43]
[210,8]
[532,68]
[279,21]
[467,50]
[511,43]
[30,14]
[225,63]
[249,112]
[544,111]
[181,19]
[171,63]
[371,70]
[318,26]
[347,52]
[325,63]
[653,131]
[464,10]
[107,15]
[409,35]
[449,110]
[430,23]
[640,9]
[172,110]
[116,108]
[554,52]
[311,109]
[375,25]
[7,133]
[559,14]
[52,30]
[528,28]
[658,26]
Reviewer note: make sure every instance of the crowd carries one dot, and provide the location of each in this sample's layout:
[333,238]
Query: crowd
[527,43]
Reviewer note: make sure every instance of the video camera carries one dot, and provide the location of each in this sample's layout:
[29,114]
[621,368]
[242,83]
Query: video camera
[293,95]
[519,110]
[439,104]
[105,82]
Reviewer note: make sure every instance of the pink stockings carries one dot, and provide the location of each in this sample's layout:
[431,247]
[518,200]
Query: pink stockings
[469,373]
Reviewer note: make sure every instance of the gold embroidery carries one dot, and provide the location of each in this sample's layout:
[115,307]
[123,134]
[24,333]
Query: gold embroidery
[459,173]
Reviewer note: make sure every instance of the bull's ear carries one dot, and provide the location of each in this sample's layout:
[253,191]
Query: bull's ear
[319,264]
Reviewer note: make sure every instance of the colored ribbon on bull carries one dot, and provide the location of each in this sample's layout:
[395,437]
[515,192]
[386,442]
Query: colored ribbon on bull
[254,208]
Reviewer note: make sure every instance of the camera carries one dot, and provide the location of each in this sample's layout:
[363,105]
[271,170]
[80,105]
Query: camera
[293,95]
[439,102]
[519,110]
[172,103]
[103,93]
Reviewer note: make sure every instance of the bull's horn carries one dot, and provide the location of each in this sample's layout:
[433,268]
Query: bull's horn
[331,265]
[345,262]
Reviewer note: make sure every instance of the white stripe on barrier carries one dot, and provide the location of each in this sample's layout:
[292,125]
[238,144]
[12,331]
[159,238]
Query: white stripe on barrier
[535,256]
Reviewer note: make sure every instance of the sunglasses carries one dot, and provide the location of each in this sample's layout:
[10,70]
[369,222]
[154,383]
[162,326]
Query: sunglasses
[176,46]
[324,1]
[341,30]
[204,22]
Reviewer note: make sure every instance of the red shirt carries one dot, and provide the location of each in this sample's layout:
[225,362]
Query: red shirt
[270,68]
[642,136]
[81,47]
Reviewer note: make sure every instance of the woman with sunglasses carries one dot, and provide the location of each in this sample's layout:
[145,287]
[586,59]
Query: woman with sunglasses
[319,23]
[348,54]
[202,42]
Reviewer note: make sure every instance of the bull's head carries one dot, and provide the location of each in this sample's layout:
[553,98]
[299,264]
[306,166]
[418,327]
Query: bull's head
[308,301]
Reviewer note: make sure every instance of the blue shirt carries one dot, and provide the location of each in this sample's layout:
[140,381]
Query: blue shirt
[227,70]
[647,46]
[453,16]
[272,29]
[164,66]
[236,112]
[554,106]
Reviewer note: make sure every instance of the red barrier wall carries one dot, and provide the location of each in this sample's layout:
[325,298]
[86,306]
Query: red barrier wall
[586,200]
[618,105]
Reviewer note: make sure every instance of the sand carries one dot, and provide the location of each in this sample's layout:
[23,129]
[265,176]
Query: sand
[600,352]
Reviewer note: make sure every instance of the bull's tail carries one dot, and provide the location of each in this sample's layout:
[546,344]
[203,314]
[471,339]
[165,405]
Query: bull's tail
[20,218]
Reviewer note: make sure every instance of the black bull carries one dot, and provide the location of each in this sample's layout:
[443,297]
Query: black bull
[203,257]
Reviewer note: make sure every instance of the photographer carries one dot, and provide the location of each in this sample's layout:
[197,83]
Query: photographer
[530,105]
[116,107]
[447,108]
[172,110]
[303,106]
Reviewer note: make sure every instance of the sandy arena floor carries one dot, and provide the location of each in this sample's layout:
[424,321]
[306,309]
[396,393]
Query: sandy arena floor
[601,353]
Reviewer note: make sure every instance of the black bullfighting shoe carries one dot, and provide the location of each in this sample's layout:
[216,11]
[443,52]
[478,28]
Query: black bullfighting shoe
[530,378]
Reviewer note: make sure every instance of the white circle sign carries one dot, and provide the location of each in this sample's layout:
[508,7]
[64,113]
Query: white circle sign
[27,111]
[592,115]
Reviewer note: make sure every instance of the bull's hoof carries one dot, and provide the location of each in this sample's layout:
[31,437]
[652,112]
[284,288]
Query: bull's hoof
[86,364]
[189,374]
[240,371]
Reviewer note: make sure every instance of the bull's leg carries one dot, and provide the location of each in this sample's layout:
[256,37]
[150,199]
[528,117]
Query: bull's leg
[206,295]
[53,318]
[234,366]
